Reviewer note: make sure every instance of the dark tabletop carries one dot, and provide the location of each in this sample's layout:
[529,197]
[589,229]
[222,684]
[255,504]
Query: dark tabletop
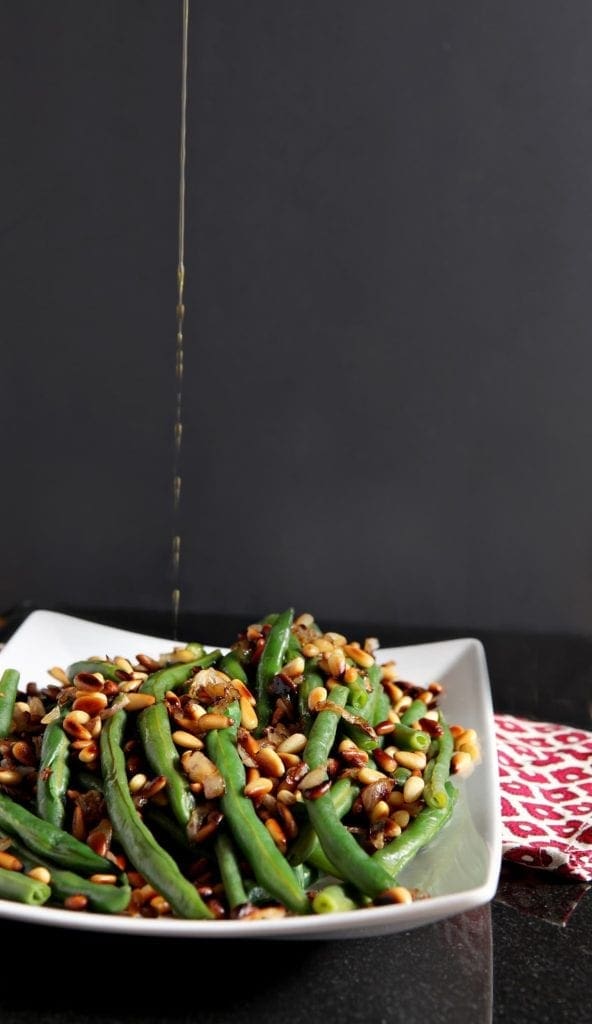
[525,957]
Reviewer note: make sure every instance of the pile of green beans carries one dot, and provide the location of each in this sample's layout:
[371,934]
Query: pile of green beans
[283,776]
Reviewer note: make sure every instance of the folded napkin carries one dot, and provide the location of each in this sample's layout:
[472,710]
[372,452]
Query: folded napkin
[545,774]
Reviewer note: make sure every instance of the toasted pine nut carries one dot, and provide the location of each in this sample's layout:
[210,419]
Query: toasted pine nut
[360,657]
[248,714]
[40,874]
[289,760]
[403,703]
[350,675]
[316,696]
[77,902]
[294,668]
[130,685]
[91,702]
[270,762]
[187,740]
[336,638]
[460,763]
[398,894]
[158,903]
[137,782]
[367,775]
[411,759]
[287,797]
[22,752]
[89,754]
[384,761]
[258,788]
[305,620]
[213,721]
[426,696]
[310,650]
[138,701]
[313,778]
[336,662]
[9,777]
[380,811]
[388,672]
[293,744]
[277,834]
[124,664]
[396,798]
[9,862]
[402,817]
[413,788]
[59,674]
[101,879]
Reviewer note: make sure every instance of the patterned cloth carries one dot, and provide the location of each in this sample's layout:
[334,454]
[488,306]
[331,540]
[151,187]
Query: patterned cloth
[545,773]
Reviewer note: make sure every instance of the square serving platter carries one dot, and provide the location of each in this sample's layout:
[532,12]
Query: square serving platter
[460,869]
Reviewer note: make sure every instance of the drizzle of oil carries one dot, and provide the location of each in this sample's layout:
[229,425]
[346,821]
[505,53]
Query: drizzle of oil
[178,427]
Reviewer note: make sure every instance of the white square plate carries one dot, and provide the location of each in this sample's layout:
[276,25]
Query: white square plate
[460,868]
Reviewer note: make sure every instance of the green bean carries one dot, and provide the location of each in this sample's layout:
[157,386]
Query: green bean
[46,840]
[414,712]
[419,832]
[170,831]
[383,706]
[310,680]
[230,871]
[332,900]
[339,845]
[306,847]
[230,664]
[9,684]
[435,793]
[270,868]
[163,757]
[107,669]
[105,898]
[406,738]
[196,649]
[21,889]
[363,739]
[54,774]
[138,843]
[174,676]
[270,663]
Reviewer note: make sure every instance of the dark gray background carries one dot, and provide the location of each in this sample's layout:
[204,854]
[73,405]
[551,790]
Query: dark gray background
[389,303]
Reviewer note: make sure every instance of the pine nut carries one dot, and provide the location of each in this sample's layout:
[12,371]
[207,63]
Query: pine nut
[9,862]
[137,782]
[23,753]
[310,650]
[367,775]
[316,696]
[138,701]
[9,777]
[413,788]
[411,759]
[277,834]
[293,744]
[123,664]
[270,762]
[187,740]
[336,662]
[40,874]
[380,811]
[402,818]
[337,638]
[59,674]
[248,714]
[101,879]
[289,760]
[77,902]
[89,754]
[158,903]
[360,657]
[460,763]
[351,675]
[258,788]
[313,778]
[91,702]
[398,894]
[396,798]
[305,620]
[403,703]
[213,721]
[294,668]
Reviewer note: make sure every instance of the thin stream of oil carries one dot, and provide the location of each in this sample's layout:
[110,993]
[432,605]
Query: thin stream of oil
[178,427]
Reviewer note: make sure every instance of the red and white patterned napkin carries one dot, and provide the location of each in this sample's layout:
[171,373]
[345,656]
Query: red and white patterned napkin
[545,774]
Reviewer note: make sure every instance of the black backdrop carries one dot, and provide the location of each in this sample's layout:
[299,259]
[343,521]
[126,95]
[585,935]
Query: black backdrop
[389,301]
